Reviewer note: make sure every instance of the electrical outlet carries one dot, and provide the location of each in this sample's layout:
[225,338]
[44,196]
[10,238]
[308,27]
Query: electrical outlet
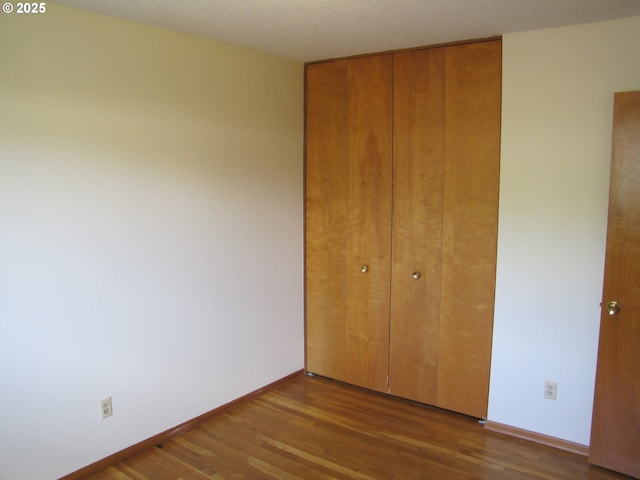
[550,389]
[106,409]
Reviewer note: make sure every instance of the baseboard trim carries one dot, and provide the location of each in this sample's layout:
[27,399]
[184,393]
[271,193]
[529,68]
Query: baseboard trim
[172,432]
[538,438]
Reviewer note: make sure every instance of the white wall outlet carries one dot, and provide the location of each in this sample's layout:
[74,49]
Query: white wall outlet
[106,409]
[550,389]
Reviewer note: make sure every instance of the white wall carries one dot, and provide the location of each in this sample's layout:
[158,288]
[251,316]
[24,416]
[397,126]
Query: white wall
[557,109]
[150,232]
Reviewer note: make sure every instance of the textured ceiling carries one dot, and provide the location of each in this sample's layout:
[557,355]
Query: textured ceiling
[307,30]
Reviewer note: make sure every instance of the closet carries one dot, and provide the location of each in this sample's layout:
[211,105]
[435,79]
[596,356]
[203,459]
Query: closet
[401,209]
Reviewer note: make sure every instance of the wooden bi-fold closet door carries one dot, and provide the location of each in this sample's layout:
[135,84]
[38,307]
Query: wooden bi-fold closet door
[348,219]
[445,218]
[418,203]
[402,160]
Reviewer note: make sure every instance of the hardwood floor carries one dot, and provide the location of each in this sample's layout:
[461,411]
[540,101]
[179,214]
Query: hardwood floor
[313,428]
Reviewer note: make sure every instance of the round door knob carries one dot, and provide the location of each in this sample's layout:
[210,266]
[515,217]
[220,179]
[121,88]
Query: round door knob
[364,269]
[613,308]
[416,275]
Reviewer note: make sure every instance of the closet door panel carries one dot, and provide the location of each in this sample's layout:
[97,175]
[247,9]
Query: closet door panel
[326,186]
[418,154]
[369,220]
[472,151]
[348,219]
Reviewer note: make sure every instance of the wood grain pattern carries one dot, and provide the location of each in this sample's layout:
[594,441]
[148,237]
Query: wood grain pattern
[615,434]
[326,217]
[472,153]
[312,428]
[418,189]
[348,218]
[369,220]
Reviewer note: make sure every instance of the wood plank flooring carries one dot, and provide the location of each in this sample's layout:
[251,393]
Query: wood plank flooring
[313,428]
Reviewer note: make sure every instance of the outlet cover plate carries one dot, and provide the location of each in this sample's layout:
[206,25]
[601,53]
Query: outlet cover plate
[550,389]
[106,408]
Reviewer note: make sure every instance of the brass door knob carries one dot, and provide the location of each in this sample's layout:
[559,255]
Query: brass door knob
[364,269]
[613,308]
[416,275]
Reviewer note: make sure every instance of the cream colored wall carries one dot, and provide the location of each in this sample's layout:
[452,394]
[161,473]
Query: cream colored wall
[557,108]
[150,232]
